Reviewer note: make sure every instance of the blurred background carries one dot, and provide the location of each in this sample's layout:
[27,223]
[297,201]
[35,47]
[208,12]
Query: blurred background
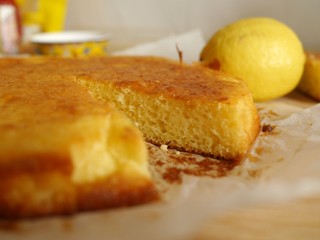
[135,21]
[130,22]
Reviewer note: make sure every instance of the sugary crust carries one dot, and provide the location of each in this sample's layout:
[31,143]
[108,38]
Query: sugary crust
[178,81]
[191,83]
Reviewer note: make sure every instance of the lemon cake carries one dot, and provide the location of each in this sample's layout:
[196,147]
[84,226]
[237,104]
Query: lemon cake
[186,107]
[310,81]
[62,151]
[64,148]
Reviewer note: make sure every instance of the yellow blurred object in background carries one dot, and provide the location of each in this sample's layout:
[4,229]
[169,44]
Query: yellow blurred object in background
[47,15]
[71,43]
[74,50]
[310,82]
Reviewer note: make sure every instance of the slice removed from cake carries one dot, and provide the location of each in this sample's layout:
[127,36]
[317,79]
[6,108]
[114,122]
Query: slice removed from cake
[62,151]
[190,108]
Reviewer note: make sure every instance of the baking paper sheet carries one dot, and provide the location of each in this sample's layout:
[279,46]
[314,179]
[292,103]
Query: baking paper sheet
[283,164]
[190,43]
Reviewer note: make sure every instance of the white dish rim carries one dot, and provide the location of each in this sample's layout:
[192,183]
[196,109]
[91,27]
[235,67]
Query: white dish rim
[66,37]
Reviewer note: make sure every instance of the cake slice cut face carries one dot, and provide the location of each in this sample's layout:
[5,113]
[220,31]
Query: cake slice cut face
[189,108]
[62,151]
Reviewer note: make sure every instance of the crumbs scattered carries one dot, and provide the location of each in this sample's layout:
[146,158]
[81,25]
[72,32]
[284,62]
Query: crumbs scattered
[172,175]
[170,165]
[255,173]
[159,163]
[268,128]
[164,147]
[188,165]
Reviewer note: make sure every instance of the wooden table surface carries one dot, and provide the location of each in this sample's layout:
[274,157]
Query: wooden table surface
[299,219]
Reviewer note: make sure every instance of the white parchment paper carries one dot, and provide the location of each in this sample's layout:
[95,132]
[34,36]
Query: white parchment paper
[190,43]
[283,164]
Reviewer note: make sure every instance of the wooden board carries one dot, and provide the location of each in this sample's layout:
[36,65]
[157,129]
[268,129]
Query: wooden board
[299,219]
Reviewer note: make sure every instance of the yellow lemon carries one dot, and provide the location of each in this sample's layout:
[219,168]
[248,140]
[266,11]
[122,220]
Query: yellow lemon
[264,52]
[310,81]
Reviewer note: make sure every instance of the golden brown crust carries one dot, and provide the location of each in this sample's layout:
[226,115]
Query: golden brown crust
[178,81]
[53,193]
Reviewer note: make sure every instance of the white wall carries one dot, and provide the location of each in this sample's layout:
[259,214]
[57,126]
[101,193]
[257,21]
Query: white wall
[142,20]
